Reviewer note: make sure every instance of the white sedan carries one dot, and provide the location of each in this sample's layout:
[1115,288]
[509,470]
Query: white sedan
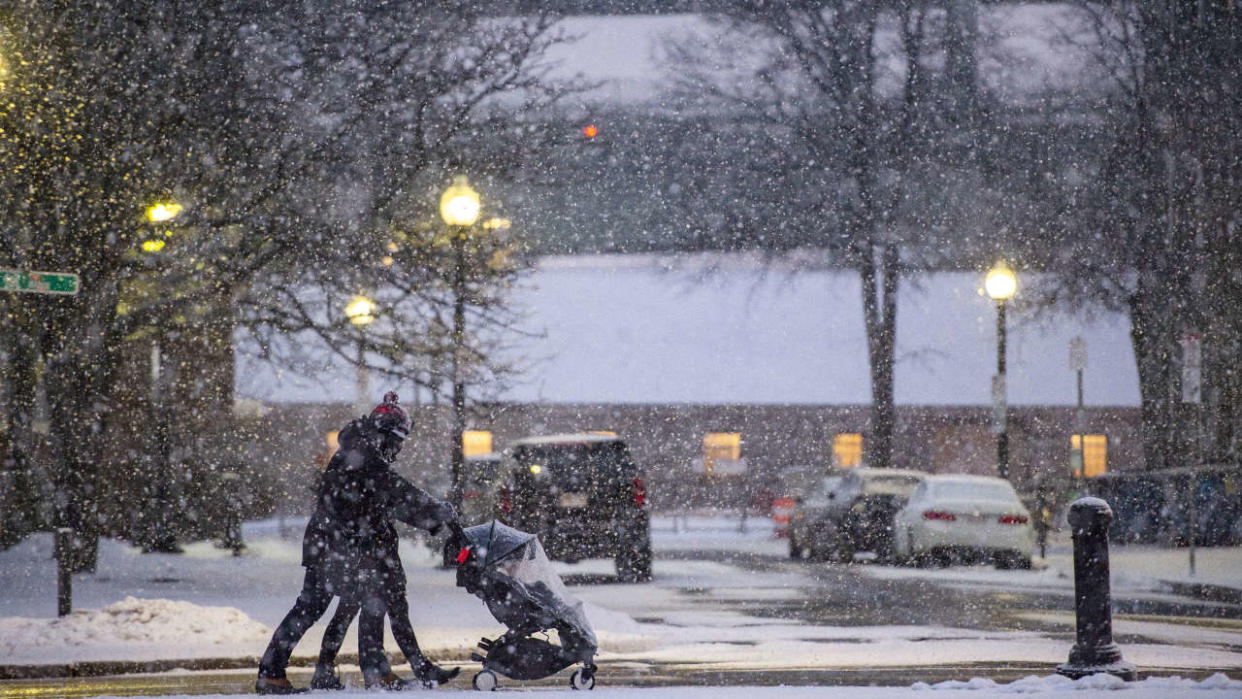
[964,518]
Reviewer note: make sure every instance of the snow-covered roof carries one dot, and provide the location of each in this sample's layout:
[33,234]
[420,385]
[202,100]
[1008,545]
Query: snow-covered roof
[964,478]
[655,329]
[863,472]
[575,438]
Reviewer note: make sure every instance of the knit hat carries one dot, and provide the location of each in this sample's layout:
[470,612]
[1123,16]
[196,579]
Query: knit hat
[390,417]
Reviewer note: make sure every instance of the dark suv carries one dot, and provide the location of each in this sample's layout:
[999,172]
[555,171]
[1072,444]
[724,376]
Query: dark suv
[584,496]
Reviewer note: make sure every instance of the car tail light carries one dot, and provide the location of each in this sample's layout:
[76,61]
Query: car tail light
[640,493]
[937,514]
[506,502]
[472,495]
[1013,519]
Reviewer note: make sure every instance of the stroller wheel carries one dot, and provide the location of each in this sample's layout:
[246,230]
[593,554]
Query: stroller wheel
[581,679]
[485,681]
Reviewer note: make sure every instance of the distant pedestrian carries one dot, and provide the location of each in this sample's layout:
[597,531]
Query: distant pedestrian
[1043,517]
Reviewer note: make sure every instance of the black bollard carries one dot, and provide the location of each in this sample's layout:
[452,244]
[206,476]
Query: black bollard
[64,571]
[1095,651]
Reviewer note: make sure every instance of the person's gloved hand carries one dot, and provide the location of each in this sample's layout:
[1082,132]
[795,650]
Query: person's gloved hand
[447,517]
[455,528]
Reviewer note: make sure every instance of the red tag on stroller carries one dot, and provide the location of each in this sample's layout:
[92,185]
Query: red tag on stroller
[463,554]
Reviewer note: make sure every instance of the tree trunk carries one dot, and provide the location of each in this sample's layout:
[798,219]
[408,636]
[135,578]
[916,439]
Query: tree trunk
[879,282]
[20,500]
[1152,339]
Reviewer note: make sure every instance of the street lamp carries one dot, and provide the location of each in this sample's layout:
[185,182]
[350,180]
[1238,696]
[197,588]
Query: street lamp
[163,211]
[1001,284]
[459,207]
[361,311]
[161,537]
[160,212]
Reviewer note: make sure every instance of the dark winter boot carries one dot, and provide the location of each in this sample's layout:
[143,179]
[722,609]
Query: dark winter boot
[326,678]
[276,685]
[432,675]
[392,682]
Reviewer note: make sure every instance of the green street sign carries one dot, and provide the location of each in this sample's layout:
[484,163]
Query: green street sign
[38,282]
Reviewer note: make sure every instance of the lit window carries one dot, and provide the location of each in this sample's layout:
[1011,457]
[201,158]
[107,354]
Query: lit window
[721,446]
[475,442]
[847,450]
[1089,455]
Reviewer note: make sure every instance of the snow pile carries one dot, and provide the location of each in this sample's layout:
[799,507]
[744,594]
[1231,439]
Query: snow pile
[145,628]
[1035,684]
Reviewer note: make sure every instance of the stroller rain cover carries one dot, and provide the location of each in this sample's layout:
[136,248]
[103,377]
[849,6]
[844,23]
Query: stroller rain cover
[514,577]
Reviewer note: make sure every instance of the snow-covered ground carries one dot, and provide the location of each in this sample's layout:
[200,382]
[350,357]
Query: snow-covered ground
[1219,565]
[1043,687]
[209,604]
[1134,569]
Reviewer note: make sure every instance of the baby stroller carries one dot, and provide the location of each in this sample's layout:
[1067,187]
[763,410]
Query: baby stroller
[509,571]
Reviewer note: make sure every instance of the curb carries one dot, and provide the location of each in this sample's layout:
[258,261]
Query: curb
[1207,592]
[102,668]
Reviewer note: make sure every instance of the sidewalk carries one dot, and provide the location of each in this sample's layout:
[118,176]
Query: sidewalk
[1218,570]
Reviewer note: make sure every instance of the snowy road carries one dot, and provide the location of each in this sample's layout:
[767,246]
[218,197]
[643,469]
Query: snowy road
[725,608]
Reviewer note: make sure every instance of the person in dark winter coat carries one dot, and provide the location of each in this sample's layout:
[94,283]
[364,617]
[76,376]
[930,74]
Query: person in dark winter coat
[380,571]
[388,577]
[348,541]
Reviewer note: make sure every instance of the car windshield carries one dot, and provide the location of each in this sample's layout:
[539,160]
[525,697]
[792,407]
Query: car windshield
[960,490]
[890,485]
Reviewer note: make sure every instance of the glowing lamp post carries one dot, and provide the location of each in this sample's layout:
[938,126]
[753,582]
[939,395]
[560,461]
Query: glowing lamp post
[459,205]
[361,311]
[160,536]
[460,208]
[158,213]
[1001,284]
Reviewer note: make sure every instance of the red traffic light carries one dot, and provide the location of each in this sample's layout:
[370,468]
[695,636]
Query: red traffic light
[589,131]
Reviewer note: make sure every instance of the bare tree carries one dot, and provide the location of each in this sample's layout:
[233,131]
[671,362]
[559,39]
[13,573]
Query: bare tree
[818,77]
[1158,234]
[284,140]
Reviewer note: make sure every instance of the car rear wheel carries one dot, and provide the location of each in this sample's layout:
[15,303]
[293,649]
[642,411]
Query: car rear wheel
[845,550]
[1011,560]
[634,553]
